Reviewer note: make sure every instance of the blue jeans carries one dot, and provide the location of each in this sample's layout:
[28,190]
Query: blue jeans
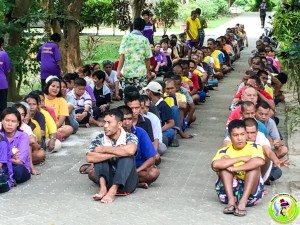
[170,134]
[176,116]
[212,83]
[202,96]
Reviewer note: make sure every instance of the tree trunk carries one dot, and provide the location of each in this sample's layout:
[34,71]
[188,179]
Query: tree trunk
[137,7]
[20,10]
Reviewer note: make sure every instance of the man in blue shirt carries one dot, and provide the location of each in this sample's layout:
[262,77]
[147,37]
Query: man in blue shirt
[145,155]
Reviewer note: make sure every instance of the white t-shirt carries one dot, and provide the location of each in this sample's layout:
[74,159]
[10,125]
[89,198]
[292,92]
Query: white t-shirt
[156,126]
[113,78]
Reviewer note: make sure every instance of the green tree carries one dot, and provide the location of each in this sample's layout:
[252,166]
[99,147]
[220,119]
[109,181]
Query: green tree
[286,25]
[166,11]
[96,13]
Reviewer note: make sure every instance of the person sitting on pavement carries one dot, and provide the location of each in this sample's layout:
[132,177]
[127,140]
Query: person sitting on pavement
[18,144]
[113,154]
[255,82]
[262,114]
[271,168]
[160,59]
[263,76]
[197,82]
[7,180]
[83,108]
[155,92]
[146,154]
[102,94]
[112,81]
[238,167]
[161,147]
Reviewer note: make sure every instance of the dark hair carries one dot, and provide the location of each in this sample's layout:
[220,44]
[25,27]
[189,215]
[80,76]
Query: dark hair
[86,69]
[236,124]
[168,75]
[173,36]
[165,40]
[11,110]
[144,98]
[118,114]
[70,76]
[282,77]
[250,122]
[198,11]
[256,78]
[99,74]
[63,81]
[263,105]
[193,12]
[246,103]
[20,105]
[192,61]
[250,73]
[261,72]
[177,78]
[33,95]
[55,37]
[46,89]
[80,82]
[93,65]
[125,110]
[173,43]
[139,24]
[261,65]
[39,92]
[181,35]
[132,96]
[146,12]
[262,49]
[211,40]
[184,62]
[165,36]
[1,41]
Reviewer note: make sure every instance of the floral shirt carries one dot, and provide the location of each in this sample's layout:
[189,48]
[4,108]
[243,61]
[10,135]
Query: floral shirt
[136,49]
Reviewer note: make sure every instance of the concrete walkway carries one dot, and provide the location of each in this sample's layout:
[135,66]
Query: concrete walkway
[183,194]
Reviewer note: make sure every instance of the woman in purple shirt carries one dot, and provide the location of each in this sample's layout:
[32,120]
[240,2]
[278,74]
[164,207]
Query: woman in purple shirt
[50,58]
[5,68]
[5,165]
[18,142]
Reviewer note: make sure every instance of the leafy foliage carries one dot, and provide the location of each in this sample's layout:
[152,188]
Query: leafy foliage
[286,25]
[166,12]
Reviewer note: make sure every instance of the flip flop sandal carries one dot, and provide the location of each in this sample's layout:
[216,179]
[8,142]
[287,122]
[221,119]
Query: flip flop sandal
[83,169]
[240,212]
[122,193]
[229,209]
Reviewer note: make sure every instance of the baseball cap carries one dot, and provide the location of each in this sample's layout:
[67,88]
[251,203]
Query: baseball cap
[154,87]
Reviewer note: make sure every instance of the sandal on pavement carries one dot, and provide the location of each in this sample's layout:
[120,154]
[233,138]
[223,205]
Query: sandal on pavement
[83,169]
[229,209]
[240,212]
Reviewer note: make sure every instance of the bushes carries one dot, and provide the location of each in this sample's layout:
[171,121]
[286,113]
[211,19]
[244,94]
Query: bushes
[210,8]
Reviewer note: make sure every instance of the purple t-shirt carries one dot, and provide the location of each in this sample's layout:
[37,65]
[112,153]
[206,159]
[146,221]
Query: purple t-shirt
[149,31]
[5,67]
[49,55]
[160,57]
[21,142]
[5,159]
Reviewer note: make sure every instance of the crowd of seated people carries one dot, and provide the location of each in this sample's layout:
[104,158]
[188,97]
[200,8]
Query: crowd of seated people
[253,151]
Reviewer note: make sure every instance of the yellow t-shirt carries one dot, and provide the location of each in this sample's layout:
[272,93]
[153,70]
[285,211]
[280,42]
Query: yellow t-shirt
[59,105]
[198,72]
[217,63]
[194,26]
[36,130]
[50,124]
[250,149]
[269,90]
[171,100]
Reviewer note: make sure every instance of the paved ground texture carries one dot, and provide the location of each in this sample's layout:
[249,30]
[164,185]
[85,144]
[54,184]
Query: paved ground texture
[183,194]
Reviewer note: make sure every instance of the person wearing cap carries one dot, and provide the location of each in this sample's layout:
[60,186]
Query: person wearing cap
[50,59]
[135,54]
[155,91]
[112,80]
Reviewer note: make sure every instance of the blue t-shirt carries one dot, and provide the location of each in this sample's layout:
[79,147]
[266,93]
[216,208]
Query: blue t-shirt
[262,128]
[165,112]
[145,148]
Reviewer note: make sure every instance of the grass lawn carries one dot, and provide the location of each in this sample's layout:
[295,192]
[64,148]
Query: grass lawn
[107,47]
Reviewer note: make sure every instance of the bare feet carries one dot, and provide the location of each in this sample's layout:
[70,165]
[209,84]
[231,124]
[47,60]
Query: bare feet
[33,171]
[98,196]
[109,197]
[99,124]
[185,136]
[87,125]
[143,185]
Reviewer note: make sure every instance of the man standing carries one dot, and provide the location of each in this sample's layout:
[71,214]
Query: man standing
[238,167]
[203,25]
[263,13]
[50,59]
[192,27]
[149,29]
[135,53]
[112,154]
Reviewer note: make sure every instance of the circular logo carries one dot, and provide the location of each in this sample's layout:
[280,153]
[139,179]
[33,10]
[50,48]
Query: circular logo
[283,208]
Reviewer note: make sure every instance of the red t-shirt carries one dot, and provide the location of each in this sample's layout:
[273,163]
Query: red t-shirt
[195,81]
[234,114]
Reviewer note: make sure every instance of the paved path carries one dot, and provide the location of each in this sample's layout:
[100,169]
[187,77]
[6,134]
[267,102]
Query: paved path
[183,194]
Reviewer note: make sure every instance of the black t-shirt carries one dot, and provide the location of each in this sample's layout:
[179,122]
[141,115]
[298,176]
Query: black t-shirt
[165,112]
[101,98]
[145,123]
